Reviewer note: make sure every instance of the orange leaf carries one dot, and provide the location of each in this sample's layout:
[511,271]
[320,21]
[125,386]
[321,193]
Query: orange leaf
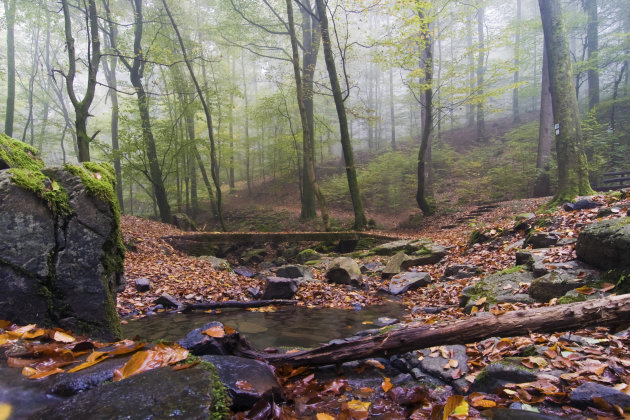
[244,385]
[186,365]
[216,332]
[4,324]
[386,385]
[585,290]
[40,375]
[481,301]
[28,371]
[375,363]
[142,361]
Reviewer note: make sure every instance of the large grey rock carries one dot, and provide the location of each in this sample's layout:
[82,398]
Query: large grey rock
[583,395]
[434,366]
[344,270]
[216,263]
[606,244]
[410,280]
[555,284]
[543,240]
[295,272]
[497,374]
[60,257]
[280,288]
[157,394]
[458,271]
[500,287]
[246,380]
[426,251]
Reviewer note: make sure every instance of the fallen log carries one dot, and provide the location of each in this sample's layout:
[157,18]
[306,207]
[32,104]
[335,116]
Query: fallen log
[609,311]
[237,304]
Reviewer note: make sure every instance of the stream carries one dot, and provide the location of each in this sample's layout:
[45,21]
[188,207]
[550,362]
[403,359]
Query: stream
[296,326]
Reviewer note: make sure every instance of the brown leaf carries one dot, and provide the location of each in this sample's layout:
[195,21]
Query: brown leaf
[216,332]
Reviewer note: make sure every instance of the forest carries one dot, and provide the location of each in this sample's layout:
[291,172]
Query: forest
[315,209]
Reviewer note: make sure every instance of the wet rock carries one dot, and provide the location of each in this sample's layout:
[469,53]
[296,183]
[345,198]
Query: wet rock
[385,321]
[434,366]
[606,244]
[410,280]
[295,272]
[199,343]
[497,374]
[216,263]
[543,240]
[25,396]
[142,285]
[246,380]
[517,414]
[344,270]
[244,271]
[167,301]
[159,394]
[280,288]
[584,394]
[454,272]
[69,384]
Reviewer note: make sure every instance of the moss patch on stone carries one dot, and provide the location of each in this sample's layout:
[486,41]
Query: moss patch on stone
[51,192]
[220,399]
[18,154]
[512,270]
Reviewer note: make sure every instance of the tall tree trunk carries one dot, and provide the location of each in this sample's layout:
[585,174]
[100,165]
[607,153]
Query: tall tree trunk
[136,73]
[112,80]
[542,187]
[470,108]
[572,165]
[516,116]
[427,107]
[392,114]
[311,39]
[592,39]
[31,87]
[82,107]
[360,221]
[481,55]
[248,170]
[307,135]
[214,169]
[231,179]
[9,15]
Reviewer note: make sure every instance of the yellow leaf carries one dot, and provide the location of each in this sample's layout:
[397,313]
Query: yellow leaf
[375,363]
[386,385]
[142,361]
[18,333]
[40,375]
[324,416]
[358,405]
[28,371]
[453,363]
[481,301]
[4,339]
[456,406]
[216,332]
[5,411]
[63,337]
[585,290]
[29,335]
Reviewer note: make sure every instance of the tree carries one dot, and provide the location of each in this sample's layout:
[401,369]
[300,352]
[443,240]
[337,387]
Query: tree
[481,57]
[542,187]
[9,13]
[572,166]
[517,52]
[360,221]
[82,107]
[592,43]
[214,168]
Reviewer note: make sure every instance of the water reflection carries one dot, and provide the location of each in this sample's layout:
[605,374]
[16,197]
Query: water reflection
[286,327]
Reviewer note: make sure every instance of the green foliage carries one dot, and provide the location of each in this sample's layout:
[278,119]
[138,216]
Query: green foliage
[18,154]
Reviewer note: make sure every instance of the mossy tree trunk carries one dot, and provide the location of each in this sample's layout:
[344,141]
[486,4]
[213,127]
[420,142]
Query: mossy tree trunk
[360,220]
[307,134]
[572,165]
[592,39]
[516,116]
[427,105]
[82,107]
[9,15]
[542,187]
[481,72]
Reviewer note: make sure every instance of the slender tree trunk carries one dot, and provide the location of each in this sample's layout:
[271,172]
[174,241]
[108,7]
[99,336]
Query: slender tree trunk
[470,108]
[311,39]
[214,169]
[622,72]
[481,102]
[427,107]
[542,187]
[112,80]
[231,180]
[392,114]
[572,166]
[82,107]
[9,14]
[31,88]
[517,57]
[592,39]
[248,171]
[307,135]
[360,220]
[136,73]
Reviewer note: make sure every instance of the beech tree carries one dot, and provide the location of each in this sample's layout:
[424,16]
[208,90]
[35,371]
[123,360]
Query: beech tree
[572,166]
[9,13]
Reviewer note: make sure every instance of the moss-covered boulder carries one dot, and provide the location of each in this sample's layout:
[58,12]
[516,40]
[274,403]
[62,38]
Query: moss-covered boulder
[61,253]
[501,287]
[606,244]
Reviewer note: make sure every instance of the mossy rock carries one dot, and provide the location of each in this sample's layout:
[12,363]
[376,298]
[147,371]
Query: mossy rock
[16,154]
[308,254]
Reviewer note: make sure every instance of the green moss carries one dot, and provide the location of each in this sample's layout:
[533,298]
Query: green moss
[51,192]
[512,270]
[477,237]
[220,399]
[620,278]
[18,154]
[563,300]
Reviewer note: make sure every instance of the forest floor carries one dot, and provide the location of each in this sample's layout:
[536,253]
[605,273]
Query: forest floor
[192,280]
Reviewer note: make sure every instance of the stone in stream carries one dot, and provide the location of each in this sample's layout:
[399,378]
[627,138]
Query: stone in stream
[410,280]
[69,384]
[193,393]
[280,288]
[295,272]
[584,394]
[199,343]
[167,301]
[344,270]
[246,380]
[60,243]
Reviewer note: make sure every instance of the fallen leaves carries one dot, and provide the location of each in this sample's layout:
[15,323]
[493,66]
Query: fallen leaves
[161,355]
